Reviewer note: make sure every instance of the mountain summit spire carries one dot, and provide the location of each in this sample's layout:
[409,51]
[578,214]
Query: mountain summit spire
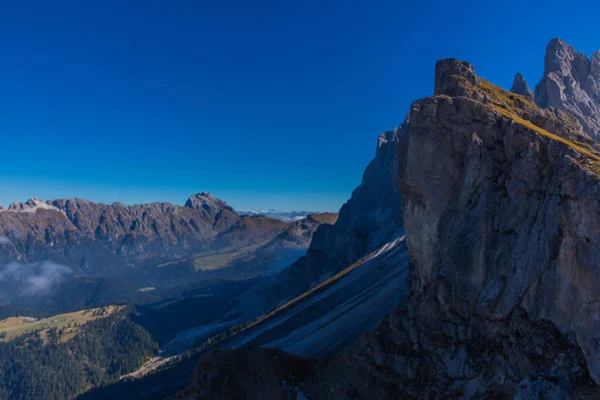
[521,87]
[571,82]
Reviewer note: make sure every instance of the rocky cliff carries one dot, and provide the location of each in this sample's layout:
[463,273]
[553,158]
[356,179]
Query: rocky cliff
[503,235]
[571,82]
[520,86]
[501,213]
[354,273]
[370,219]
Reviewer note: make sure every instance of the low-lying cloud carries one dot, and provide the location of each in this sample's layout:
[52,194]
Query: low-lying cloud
[26,280]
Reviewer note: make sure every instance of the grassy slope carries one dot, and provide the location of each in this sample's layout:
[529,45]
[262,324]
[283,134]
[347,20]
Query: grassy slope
[212,260]
[16,326]
[508,104]
[325,218]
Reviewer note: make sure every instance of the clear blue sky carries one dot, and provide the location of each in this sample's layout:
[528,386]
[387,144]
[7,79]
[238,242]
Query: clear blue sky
[267,104]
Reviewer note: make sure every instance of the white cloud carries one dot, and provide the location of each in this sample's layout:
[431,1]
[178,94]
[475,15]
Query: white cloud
[35,279]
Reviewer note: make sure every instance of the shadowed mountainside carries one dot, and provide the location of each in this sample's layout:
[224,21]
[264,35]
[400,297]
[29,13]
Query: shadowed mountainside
[502,296]
[96,239]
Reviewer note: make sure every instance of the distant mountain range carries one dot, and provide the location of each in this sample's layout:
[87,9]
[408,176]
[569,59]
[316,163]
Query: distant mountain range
[465,265]
[46,241]
[287,216]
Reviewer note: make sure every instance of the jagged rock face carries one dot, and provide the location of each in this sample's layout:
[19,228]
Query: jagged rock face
[521,87]
[571,82]
[368,220]
[503,228]
[504,233]
[446,74]
[213,209]
[223,374]
[505,219]
[98,238]
[372,216]
[410,357]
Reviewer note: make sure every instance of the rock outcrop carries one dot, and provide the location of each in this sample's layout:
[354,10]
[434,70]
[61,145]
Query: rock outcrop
[477,249]
[502,226]
[503,235]
[571,82]
[353,274]
[370,219]
[521,87]
[278,376]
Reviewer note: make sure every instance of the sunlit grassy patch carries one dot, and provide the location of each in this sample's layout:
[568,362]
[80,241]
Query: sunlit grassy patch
[325,218]
[211,262]
[68,324]
[515,107]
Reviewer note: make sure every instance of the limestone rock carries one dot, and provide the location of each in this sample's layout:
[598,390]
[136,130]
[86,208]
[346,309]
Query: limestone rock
[96,238]
[453,76]
[521,87]
[371,218]
[224,374]
[476,248]
[571,82]
[499,201]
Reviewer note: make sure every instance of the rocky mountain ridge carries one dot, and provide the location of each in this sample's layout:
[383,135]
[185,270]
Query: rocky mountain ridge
[571,82]
[371,218]
[96,239]
[353,274]
[484,265]
[503,233]
[520,86]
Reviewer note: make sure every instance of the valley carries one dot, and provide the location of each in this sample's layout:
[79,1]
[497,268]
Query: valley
[318,323]
[164,305]
[170,154]
[353,274]
[59,361]
[433,282]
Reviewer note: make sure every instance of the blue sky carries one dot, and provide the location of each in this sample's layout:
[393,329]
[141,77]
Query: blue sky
[267,104]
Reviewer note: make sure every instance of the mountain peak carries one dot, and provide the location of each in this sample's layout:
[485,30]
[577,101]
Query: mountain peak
[463,264]
[556,45]
[449,75]
[521,87]
[595,67]
[31,205]
[564,59]
[571,82]
[207,201]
